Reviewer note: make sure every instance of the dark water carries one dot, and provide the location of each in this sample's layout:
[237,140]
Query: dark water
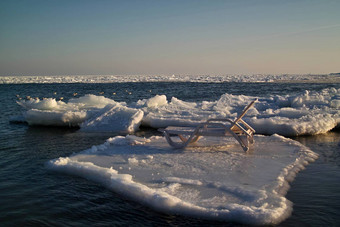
[30,195]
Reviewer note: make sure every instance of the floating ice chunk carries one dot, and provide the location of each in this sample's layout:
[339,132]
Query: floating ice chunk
[93,113]
[308,113]
[132,161]
[54,118]
[117,118]
[45,104]
[310,124]
[91,101]
[156,101]
[214,182]
[182,104]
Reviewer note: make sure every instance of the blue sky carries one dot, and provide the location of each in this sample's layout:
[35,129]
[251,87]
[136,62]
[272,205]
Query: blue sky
[77,37]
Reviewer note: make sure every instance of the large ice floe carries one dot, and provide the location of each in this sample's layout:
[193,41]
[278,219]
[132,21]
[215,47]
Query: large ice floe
[308,113]
[214,179]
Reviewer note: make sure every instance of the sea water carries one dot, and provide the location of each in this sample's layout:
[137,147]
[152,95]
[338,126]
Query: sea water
[33,195]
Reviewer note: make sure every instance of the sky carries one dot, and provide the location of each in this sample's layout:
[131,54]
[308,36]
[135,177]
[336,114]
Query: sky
[81,37]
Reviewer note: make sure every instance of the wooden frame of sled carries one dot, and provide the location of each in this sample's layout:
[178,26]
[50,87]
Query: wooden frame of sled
[239,129]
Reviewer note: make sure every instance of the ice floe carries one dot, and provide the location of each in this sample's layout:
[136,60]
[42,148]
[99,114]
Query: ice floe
[90,112]
[307,113]
[213,179]
[114,118]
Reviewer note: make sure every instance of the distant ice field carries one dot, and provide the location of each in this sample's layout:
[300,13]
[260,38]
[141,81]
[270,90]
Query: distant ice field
[290,78]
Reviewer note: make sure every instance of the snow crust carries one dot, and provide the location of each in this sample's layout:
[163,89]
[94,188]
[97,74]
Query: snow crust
[114,118]
[307,113]
[213,179]
[169,78]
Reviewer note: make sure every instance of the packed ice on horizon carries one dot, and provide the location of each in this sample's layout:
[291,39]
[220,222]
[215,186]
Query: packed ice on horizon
[307,113]
[214,179]
[326,78]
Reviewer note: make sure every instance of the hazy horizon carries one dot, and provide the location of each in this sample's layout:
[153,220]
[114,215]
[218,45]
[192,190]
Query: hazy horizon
[169,37]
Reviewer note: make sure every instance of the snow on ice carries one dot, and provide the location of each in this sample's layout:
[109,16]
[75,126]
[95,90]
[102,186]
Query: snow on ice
[212,179]
[308,113]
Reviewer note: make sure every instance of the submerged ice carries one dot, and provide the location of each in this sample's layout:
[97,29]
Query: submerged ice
[308,113]
[211,180]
